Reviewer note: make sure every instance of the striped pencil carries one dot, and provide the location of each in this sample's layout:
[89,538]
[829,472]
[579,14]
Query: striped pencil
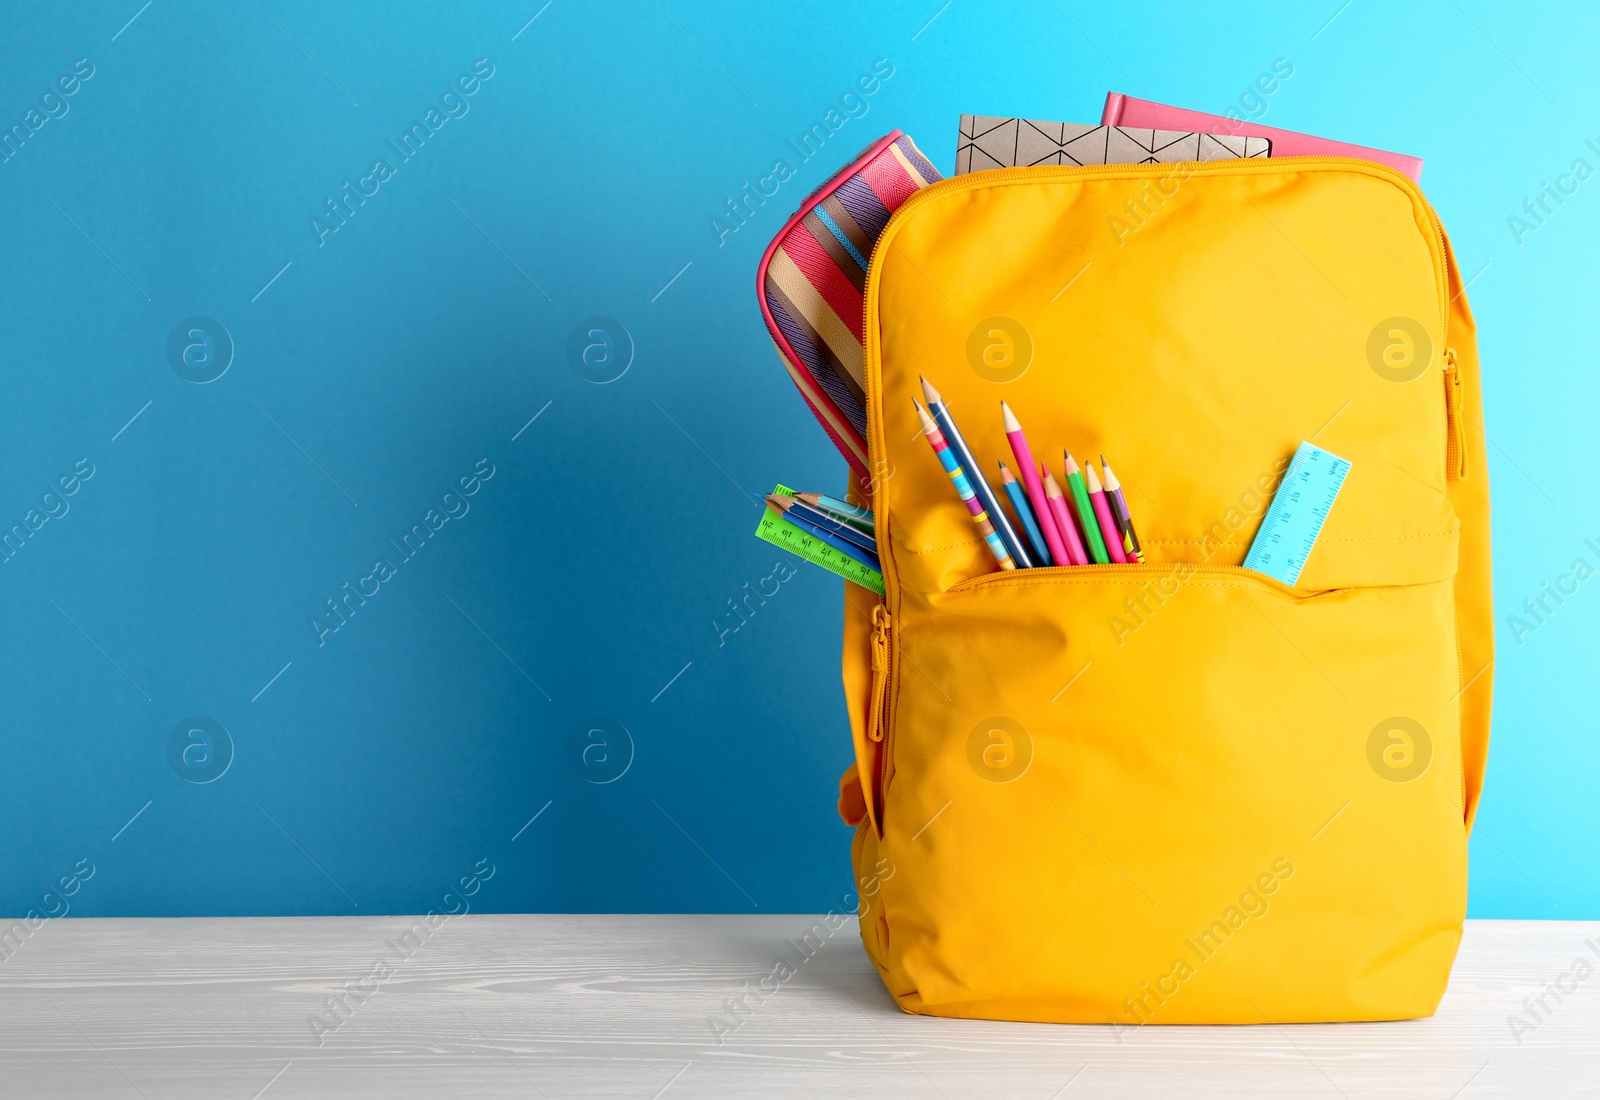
[1087,524]
[1057,548]
[1120,513]
[958,478]
[991,503]
[1102,514]
[1063,518]
[861,517]
[1025,514]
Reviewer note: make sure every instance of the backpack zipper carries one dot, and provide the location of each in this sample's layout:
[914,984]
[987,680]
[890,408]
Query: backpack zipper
[1252,166]
[878,724]
[1134,573]
[1455,455]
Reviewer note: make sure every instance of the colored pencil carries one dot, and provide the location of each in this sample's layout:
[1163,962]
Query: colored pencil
[848,549]
[791,507]
[1030,479]
[1025,514]
[1088,526]
[861,517]
[963,453]
[1120,513]
[958,478]
[1102,512]
[1069,532]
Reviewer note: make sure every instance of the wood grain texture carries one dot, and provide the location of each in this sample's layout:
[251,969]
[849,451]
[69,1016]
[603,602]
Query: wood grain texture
[623,1006]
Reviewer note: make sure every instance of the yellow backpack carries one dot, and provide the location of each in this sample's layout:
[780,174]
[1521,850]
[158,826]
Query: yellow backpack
[1175,792]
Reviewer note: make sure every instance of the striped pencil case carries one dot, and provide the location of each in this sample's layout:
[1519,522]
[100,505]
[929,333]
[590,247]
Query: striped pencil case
[813,274]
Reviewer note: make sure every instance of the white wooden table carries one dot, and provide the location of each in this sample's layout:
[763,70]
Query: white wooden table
[622,1006]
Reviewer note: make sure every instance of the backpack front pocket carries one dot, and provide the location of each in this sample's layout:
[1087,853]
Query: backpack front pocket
[1170,793]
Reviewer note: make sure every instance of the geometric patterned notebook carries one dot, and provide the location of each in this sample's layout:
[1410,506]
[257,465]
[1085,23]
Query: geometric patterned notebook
[991,142]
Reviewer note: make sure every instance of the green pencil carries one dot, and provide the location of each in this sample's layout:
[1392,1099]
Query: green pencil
[1087,522]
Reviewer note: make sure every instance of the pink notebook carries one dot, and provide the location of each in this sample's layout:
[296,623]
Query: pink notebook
[1125,110]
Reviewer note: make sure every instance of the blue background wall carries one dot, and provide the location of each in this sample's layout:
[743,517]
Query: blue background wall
[373,370]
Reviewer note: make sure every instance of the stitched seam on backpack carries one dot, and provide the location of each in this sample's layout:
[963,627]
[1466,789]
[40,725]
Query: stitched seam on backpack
[1104,580]
[1198,542]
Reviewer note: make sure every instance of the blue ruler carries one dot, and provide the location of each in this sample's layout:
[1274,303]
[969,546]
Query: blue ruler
[1299,508]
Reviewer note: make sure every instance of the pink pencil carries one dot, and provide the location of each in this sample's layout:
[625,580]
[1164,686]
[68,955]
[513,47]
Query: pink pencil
[1102,512]
[1058,509]
[1030,482]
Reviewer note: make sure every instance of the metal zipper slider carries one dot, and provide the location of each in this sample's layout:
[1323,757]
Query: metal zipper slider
[880,671]
[1454,412]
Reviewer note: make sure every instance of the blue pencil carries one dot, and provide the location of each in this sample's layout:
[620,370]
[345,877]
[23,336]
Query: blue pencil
[1024,510]
[832,525]
[848,549]
[980,486]
[861,517]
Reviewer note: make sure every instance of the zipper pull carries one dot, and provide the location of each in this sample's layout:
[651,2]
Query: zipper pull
[880,671]
[1455,459]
